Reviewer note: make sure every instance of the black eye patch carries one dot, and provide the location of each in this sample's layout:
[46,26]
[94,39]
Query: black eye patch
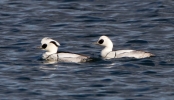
[54,43]
[44,46]
[101,41]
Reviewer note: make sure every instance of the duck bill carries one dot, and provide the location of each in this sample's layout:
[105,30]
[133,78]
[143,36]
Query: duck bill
[39,47]
[96,43]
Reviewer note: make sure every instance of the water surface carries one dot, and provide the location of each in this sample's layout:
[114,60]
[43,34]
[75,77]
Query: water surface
[76,24]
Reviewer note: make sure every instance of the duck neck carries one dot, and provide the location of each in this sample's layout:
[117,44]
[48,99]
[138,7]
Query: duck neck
[106,50]
[53,51]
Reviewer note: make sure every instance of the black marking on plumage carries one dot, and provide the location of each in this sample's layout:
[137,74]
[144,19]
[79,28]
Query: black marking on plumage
[47,58]
[54,43]
[57,57]
[115,55]
[63,52]
[44,46]
[107,54]
[101,41]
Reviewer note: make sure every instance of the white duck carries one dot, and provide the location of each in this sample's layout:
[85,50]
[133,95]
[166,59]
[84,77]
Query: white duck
[107,52]
[52,54]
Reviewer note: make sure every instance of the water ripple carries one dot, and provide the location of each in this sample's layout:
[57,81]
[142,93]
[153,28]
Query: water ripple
[133,24]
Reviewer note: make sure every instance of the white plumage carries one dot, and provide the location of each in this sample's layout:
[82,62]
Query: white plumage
[52,54]
[108,53]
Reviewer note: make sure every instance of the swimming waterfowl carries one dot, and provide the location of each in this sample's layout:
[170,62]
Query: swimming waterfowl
[108,53]
[52,54]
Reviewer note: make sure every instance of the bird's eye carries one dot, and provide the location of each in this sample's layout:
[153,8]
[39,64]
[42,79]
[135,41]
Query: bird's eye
[101,41]
[44,46]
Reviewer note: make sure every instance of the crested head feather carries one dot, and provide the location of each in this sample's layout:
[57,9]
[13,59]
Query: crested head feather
[47,40]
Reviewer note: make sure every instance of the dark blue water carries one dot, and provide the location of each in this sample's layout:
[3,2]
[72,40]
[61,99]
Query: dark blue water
[131,24]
